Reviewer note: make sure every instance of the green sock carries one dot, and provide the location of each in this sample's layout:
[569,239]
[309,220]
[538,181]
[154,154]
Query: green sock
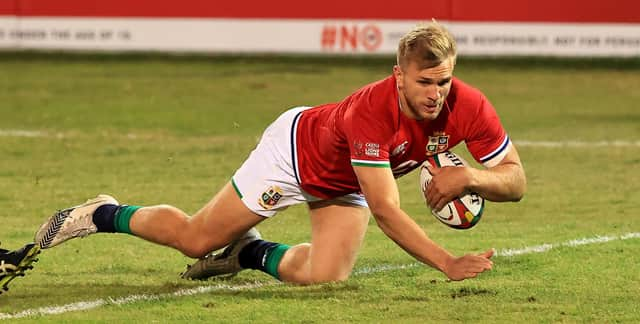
[123,217]
[273,257]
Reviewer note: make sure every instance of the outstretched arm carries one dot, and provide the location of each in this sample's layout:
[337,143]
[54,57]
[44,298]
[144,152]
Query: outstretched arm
[381,192]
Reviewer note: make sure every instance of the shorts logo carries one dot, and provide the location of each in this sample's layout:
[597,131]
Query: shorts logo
[270,197]
[438,143]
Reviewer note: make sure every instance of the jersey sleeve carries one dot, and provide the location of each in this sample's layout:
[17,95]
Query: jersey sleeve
[486,139]
[368,130]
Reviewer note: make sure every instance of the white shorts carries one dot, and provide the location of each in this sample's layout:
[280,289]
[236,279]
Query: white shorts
[266,182]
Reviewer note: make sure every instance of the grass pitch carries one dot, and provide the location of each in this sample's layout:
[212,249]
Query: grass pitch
[152,129]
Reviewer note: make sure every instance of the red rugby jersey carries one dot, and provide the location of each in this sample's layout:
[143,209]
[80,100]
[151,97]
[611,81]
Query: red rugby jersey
[367,128]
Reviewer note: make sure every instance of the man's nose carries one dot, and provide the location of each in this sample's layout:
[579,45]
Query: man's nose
[433,92]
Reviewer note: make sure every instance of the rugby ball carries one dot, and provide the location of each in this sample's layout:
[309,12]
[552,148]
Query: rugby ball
[463,212]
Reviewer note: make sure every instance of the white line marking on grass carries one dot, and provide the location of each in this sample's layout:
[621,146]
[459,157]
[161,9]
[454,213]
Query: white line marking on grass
[523,143]
[383,268]
[572,243]
[577,144]
[20,133]
[86,305]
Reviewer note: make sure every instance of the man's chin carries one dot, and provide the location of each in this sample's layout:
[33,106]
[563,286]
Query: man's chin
[430,116]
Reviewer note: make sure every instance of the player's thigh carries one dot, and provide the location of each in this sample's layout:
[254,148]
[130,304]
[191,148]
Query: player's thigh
[337,234]
[224,218]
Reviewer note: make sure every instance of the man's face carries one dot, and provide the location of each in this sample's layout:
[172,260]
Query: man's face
[423,91]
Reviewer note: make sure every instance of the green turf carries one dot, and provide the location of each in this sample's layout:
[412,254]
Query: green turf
[163,129]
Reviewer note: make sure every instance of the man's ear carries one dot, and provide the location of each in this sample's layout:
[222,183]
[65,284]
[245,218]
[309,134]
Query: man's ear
[399,75]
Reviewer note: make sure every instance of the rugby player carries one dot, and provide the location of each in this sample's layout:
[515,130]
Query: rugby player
[341,159]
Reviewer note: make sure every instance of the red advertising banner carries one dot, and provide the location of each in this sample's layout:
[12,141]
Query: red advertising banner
[9,8]
[575,11]
[488,27]
[275,9]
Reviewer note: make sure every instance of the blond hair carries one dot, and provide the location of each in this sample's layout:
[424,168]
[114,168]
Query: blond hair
[427,44]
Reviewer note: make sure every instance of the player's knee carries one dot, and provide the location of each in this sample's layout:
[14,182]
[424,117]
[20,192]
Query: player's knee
[327,277]
[197,245]
[196,251]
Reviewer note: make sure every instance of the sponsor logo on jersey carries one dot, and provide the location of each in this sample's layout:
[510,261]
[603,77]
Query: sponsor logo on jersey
[372,149]
[270,197]
[437,143]
[400,149]
[358,148]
